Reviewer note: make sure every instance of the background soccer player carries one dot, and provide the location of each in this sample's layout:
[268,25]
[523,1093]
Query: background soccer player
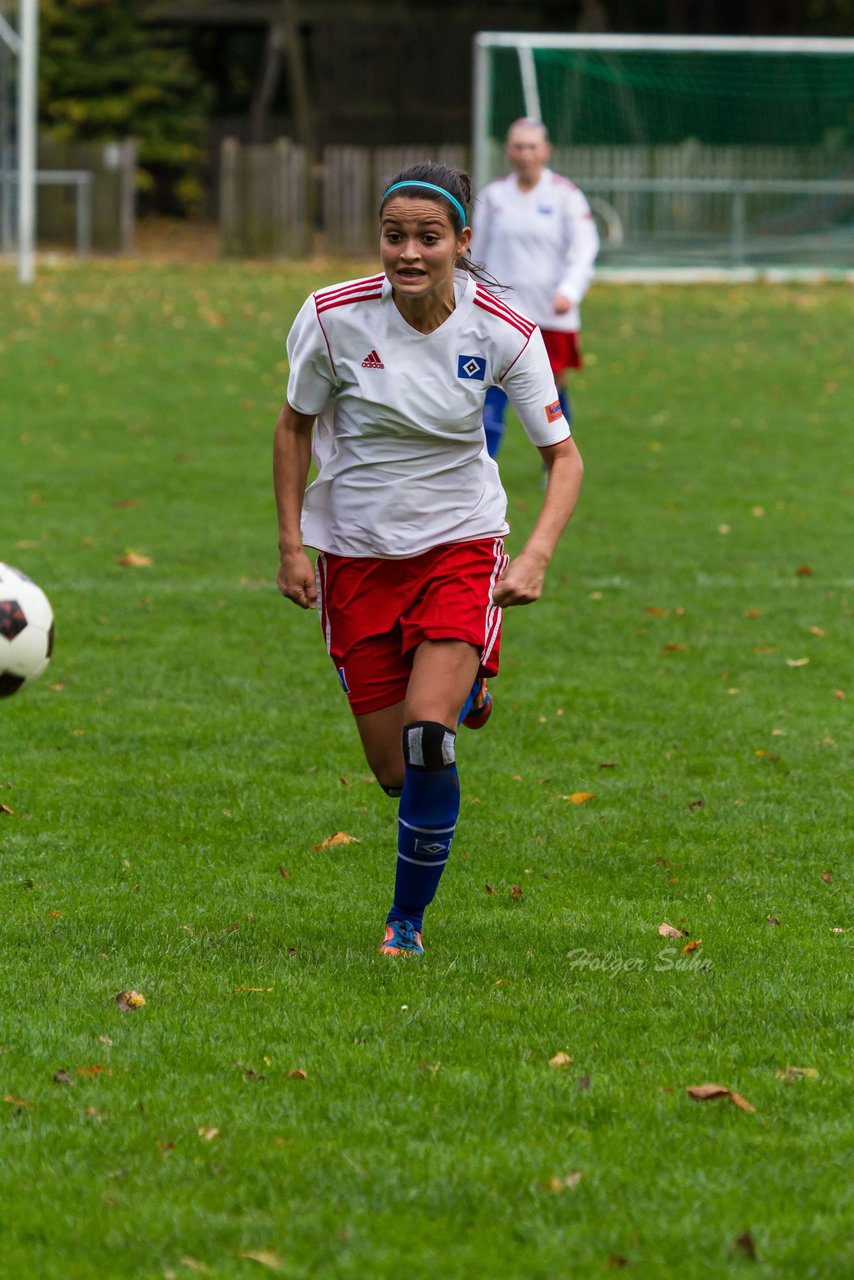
[534,232]
[407,512]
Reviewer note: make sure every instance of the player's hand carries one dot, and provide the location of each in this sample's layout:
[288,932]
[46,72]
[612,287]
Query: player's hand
[521,582]
[561,304]
[296,579]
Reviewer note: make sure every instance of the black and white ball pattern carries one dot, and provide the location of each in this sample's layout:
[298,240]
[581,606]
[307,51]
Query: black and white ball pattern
[26,630]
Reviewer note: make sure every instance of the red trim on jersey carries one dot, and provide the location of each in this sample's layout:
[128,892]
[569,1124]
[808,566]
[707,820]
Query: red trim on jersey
[525,329]
[344,302]
[325,339]
[503,375]
[564,182]
[354,286]
[501,308]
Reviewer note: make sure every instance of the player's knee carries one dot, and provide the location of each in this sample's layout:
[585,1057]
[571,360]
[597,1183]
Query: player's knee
[427,744]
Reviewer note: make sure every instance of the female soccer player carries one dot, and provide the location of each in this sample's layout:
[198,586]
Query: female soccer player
[407,513]
[534,232]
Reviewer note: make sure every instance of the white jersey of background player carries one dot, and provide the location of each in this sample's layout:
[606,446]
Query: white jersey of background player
[388,444]
[534,232]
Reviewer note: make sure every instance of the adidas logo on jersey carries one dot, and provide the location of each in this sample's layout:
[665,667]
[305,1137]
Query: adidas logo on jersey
[372,361]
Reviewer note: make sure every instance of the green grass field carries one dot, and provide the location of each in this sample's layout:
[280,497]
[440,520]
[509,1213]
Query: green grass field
[286,1092]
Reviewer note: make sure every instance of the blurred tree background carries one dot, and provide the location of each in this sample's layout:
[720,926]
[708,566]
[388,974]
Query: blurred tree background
[179,75]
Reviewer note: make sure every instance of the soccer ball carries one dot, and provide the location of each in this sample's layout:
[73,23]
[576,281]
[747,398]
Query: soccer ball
[26,630]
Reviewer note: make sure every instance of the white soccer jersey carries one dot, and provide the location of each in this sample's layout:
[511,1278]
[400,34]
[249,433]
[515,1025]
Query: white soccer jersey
[399,442]
[539,242]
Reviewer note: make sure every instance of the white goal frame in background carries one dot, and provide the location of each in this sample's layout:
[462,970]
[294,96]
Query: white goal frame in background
[525,43]
[19,178]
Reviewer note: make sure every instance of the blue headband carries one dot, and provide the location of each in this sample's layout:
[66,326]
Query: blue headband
[431,186]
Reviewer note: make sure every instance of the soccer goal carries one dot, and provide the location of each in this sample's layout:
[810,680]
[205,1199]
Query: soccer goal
[695,152]
[18,63]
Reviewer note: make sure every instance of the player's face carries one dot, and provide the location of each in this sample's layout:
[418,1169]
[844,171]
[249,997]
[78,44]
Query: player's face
[528,153]
[420,247]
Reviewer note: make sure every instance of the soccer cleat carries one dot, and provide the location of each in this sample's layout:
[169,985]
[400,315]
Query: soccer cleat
[401,939]
[481,709]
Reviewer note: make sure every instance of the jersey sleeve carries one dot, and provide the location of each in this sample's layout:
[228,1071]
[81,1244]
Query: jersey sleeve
[530,386]
[311,381]
[583,242]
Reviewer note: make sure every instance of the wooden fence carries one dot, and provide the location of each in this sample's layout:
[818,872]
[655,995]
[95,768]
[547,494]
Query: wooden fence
[112,193]
[272,203]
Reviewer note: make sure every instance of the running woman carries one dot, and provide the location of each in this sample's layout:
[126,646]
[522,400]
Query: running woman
[535,233]
[407,514]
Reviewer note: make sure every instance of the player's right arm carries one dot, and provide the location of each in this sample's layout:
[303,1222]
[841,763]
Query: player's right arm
[310,384]
[291,462]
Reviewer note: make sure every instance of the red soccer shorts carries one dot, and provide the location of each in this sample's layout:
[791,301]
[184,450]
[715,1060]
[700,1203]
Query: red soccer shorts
[374,613]
[563,350]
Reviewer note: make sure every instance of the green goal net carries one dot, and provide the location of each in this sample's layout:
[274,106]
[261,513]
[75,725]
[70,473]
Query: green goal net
[693,151]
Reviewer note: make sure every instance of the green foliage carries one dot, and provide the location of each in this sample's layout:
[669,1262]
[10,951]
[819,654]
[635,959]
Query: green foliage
[105,75]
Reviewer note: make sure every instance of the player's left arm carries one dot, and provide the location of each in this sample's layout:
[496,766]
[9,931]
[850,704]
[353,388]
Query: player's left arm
[582,248]
[522,582]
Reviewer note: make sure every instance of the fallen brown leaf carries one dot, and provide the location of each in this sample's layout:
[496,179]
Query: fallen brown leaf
[616,1259]
[237,991]
[16,1102]
[62,1077]
[655,612]
[193,1264]
[128,1001]
[827,877]
[839,693]
[560,1059]
[797,662]
[298,1074]
[265,1257]
[804,570]
[744,1245]
[207,1135]
[704,1092]
[673,646]
[134,560]
[608,764]
[95,1070]
[568,1182]
[753,613]
[580,797]
[796,1073]
[4,808]
[694,945]
[772,922]
[489,888]
[516,894]
[340,837]
[667,931]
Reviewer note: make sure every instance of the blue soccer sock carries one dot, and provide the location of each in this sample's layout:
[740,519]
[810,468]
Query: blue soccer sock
[470,698]
[565,406]
[494,409]
[427,816]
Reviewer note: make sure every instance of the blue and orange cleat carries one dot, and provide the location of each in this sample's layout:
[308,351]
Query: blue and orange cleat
[481,709]
[401,939]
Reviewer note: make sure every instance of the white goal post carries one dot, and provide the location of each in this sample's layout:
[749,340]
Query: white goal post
[701,149]
[18,170]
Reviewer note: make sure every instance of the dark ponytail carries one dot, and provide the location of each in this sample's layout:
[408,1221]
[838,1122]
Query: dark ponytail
[458,185]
